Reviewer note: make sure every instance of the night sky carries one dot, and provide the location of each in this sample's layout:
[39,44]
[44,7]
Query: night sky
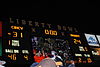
[81,14]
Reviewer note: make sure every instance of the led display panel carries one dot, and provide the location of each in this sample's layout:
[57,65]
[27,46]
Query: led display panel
[96,53]
[16,46]
[80,49]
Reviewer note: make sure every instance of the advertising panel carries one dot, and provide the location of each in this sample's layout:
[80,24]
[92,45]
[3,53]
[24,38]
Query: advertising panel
[91,39]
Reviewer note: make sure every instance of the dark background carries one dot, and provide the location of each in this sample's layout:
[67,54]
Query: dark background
[83,14]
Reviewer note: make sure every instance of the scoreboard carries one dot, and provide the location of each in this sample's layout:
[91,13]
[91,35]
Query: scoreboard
[16,47]
[20,39]
[80,48]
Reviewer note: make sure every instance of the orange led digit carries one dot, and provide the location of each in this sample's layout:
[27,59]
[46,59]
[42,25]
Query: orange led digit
[14,56]
[46,32]
[80,60]
[14,34]
[77,41]
[86,49]
[21,35]
[9,42]
[89,60]
[26,57]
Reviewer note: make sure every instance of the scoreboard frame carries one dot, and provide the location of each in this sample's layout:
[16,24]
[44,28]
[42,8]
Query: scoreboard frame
[18,33]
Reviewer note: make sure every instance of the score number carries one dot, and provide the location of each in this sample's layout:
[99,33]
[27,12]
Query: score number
[13,57]
[88,60]
[26,57]
[77,41]
[15,34]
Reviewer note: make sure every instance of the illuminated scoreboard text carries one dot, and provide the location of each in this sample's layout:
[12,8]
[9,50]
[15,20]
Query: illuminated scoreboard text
[17,47]
[24,39]
[81,52]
